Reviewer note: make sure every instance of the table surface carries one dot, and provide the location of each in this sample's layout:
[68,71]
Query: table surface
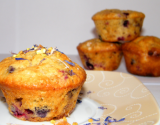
[152,83]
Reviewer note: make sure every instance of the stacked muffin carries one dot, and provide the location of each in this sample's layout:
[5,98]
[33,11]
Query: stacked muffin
[142,56]
[113,28]
[98,55]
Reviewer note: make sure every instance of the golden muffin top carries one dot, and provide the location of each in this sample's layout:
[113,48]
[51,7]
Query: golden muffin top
[143,45]
[117,14]
[96,45]
[40,68]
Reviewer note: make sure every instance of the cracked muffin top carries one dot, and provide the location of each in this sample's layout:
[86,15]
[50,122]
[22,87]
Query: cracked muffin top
[117,14]
[96,45]
[40,68]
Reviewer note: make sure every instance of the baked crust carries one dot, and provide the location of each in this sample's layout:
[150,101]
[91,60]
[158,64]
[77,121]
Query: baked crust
[96,45]
[40,72]
[117,14]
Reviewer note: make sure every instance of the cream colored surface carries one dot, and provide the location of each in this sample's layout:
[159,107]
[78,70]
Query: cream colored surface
[124,96]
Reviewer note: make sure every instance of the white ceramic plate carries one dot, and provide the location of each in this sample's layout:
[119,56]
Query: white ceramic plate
[114,94]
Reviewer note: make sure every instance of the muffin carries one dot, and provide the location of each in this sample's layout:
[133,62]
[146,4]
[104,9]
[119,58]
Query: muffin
[142,56]
[40,84]
[98,55]
[114,25]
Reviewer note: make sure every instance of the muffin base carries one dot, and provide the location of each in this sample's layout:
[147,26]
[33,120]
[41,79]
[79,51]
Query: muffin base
[101,60]
[34,105]
[142,65]
[114,30]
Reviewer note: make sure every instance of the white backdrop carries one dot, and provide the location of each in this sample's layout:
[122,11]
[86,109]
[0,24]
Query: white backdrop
[63,23]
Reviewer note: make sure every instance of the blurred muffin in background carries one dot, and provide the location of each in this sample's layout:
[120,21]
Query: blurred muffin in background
[98,55]
[114,25]
[142,56]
